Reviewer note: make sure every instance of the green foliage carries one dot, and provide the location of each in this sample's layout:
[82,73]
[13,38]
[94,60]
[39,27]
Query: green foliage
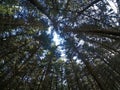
[87,57]
[6,9]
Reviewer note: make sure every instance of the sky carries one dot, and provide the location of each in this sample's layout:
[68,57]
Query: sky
[113,5]
[57,39]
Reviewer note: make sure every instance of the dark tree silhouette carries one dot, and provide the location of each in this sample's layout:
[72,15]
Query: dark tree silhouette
[84,56]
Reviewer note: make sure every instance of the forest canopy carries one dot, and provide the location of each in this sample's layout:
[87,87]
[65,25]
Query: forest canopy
[60,44]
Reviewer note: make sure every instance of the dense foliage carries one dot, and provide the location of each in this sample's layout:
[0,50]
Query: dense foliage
[85,55]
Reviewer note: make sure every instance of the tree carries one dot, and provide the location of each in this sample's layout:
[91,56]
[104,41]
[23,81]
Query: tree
[86,58]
